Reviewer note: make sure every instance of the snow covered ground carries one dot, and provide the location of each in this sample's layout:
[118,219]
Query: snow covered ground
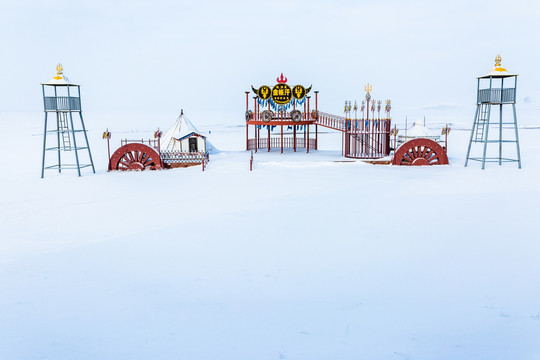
[303,258]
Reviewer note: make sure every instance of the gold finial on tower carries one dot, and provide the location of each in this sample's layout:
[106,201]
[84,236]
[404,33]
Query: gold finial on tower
[498,69]
[368,87]
[59,70]
[498,60]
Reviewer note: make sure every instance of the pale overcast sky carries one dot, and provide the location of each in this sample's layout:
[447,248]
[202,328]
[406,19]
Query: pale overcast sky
[160,56]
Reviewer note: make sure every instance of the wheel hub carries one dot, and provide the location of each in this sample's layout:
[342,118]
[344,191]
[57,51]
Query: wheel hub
[420,162]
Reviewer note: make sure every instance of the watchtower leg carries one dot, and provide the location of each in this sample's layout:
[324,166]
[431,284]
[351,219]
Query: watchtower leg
[475,125]
[517,136]
[44,145]
[87,144]
[486,137]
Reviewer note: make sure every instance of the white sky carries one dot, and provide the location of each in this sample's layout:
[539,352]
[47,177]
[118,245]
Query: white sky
[160,56]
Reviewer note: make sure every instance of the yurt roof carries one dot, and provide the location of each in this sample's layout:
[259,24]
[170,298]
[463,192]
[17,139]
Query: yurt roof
[181,129]
[419,130]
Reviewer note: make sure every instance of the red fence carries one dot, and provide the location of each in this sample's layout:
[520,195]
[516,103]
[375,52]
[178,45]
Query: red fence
[275,143]
[367,139]
[175,156]
[151,142]
[364,139]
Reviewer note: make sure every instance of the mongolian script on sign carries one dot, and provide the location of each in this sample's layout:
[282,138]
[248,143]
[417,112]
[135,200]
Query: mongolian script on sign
[281,94]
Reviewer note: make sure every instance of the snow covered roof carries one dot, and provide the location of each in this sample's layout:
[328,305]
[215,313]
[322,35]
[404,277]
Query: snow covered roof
[498,71]
[59,82]
[60,79]
[191,134]
[419,131]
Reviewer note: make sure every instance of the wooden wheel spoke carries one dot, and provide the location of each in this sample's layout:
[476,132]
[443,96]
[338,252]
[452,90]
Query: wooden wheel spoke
[125,159]
[142,158]
[147,159]
[131,157]
[406,159]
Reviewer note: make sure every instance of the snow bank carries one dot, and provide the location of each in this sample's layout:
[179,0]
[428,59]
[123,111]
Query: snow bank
[303,258]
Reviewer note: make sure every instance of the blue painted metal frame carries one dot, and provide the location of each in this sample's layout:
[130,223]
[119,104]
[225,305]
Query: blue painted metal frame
[488,97]
[62,105]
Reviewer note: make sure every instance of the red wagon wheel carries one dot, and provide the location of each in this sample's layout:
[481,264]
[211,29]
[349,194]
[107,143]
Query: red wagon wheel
[135,157]
[420,152]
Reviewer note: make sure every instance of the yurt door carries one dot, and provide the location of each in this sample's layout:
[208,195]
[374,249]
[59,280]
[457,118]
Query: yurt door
[193,145]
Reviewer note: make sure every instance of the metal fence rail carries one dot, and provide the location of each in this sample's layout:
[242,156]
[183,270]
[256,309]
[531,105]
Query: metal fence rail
[61,103]
[497,96]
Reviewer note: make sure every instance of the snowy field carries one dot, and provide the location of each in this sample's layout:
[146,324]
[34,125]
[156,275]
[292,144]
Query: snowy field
[303,258]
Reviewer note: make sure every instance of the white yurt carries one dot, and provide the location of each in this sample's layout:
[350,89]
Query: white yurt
[183,136]
[418,130]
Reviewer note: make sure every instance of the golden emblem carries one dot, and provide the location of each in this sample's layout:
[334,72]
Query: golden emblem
[59,69]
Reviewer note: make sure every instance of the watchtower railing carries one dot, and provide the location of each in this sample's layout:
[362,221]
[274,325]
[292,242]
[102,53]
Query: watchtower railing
[62,103]
[497,96]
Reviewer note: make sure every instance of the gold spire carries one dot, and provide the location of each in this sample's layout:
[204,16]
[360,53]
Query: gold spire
[498,68]
[368,87]
[498,60]
[59,69]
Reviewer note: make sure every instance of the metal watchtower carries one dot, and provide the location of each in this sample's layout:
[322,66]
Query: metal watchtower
[493,95]
[62,98]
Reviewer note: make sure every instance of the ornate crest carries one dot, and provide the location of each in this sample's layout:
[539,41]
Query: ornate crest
[281,96]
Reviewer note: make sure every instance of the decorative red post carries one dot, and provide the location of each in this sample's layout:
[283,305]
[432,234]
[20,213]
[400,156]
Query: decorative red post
[294,137]
[308,118]
[305,118]
[107,135]
[268,138]
[316,128]
[282,132]
[255,118]
[445,131]
[395,139]
[247,126]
